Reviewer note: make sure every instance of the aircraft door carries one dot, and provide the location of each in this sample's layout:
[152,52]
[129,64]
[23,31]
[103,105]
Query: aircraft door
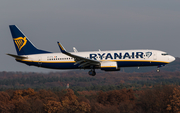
[154,56]
[145,56]
[39,61]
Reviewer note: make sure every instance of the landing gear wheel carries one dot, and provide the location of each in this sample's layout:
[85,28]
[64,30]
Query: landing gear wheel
[158,70]
[92,73]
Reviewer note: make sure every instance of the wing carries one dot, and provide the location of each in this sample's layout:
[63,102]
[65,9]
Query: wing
[83,62]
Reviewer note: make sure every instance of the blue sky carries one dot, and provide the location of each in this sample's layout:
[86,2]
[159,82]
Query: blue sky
[90,25]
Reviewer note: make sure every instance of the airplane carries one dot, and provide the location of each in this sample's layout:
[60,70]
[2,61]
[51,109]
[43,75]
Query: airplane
[105,60]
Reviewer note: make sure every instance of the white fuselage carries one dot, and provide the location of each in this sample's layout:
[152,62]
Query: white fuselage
[124,58]
[105,60]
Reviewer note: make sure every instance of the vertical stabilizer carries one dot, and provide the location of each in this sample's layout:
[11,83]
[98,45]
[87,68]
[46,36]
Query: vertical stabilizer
[22,44]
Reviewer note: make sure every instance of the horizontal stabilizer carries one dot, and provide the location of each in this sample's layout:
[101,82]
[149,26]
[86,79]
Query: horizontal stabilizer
[18,57]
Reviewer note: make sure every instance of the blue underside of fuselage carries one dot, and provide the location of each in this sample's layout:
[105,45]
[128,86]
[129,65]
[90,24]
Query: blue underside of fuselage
[72,66]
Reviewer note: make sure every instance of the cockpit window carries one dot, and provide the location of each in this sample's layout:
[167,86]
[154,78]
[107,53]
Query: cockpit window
[164,54]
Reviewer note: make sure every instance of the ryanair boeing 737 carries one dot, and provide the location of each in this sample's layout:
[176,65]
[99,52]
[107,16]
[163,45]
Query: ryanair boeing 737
[105,60]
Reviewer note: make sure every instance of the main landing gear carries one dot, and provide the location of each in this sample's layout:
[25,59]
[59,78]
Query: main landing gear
[92,72]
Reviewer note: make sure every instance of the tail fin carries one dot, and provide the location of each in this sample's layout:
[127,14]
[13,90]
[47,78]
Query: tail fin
[22,44]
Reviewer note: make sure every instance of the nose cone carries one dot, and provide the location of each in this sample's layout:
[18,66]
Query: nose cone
[171,58]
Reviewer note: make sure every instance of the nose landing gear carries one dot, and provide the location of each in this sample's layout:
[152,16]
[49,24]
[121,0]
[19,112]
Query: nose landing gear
[158,70]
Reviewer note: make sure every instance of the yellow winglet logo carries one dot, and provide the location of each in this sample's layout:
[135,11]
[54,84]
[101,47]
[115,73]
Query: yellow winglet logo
[61,46]
[20,42]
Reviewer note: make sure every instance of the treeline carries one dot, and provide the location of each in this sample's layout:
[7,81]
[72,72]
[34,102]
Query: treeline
[164,99]
[80,81]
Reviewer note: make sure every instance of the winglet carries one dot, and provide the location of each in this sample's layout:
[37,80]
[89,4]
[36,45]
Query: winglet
[63,50]
[75,50]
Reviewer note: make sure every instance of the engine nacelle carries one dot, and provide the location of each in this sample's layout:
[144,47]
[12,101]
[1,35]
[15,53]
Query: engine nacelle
[109,66]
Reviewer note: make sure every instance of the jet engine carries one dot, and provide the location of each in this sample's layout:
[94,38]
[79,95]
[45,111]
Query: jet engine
[109,66]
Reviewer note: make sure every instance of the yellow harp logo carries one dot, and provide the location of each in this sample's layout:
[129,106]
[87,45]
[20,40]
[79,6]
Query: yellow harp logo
[20,42]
